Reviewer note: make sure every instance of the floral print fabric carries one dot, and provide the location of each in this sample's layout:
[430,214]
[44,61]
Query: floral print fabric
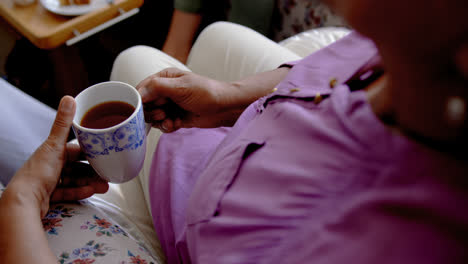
[103,227]
[79,233]
[52,221]
[296,16]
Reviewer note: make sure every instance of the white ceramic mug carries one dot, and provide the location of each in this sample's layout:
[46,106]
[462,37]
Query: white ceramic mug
[116,153]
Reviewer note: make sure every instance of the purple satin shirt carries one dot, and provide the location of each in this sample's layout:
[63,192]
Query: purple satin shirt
[303,180]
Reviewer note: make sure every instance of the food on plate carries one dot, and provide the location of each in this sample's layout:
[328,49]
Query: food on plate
[74,2]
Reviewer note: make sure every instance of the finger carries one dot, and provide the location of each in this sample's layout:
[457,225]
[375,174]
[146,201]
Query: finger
[177,124]
[100,185]
[166,73]
[147,80]
[148,118]
[155,115]
[81,180]
[171,73]
[158,102]
[150,90]
[97,182]
[149,108]
[156,125]
[85,189]
[158,115]
[160,126]
[144,82]
[74,152]
[71,194]
[147,90]
[63,121]
[76,193]
[77,174]
[168,125]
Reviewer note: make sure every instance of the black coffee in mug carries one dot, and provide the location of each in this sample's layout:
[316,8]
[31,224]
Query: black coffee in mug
[107,114]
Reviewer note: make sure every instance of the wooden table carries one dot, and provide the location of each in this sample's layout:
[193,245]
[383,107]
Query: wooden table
[47,30]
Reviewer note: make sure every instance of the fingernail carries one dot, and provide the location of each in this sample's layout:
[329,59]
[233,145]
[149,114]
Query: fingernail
[66,104]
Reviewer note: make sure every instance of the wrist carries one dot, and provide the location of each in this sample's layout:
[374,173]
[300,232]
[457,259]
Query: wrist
[228,100]
[21,229]
[24,196]
[240,94]
[237,98]
[229,104]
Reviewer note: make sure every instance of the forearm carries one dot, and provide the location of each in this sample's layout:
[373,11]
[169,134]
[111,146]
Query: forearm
[182,31]
[198,101]
[22,237]
[242,93]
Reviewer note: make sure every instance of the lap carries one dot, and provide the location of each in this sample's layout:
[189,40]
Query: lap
[223,51]
[87,232]
[228,52]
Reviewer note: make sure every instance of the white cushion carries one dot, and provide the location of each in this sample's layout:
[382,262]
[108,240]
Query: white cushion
[312,40]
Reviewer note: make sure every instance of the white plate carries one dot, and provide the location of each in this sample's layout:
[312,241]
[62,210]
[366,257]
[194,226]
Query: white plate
[72,10]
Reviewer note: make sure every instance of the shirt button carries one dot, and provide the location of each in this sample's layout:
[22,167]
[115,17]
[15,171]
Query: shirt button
[318,98]
[274,90]
[294,90]
[333,82]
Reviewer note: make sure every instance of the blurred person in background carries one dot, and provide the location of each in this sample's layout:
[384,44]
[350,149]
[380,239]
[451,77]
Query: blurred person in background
[187,19]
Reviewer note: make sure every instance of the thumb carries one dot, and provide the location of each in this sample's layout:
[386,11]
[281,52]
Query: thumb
[43,168]
[48,159]
[63,120]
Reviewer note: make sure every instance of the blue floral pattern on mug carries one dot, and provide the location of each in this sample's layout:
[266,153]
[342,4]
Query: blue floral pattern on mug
[131,136]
